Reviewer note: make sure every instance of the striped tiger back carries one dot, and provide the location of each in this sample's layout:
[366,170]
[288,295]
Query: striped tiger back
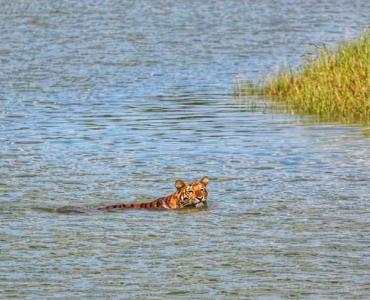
[186,195]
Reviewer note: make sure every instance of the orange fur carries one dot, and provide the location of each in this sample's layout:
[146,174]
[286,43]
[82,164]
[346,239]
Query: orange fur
[186,195]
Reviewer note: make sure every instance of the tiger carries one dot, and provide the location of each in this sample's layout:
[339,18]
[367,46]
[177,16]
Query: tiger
[187,195]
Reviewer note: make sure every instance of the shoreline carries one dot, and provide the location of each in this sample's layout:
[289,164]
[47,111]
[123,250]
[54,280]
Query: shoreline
[334,85]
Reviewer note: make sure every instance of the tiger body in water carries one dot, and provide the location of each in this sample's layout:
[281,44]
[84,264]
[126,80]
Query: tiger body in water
[187,195]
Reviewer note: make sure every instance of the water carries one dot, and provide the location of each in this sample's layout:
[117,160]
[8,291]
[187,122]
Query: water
[111,101]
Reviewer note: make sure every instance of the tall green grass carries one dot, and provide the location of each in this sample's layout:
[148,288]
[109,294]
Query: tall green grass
[334,85]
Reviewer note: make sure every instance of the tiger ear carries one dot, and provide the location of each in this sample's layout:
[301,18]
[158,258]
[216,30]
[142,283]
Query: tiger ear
[179,184]
[204,180]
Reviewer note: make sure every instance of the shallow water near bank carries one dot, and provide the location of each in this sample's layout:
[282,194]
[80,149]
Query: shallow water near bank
[111,103]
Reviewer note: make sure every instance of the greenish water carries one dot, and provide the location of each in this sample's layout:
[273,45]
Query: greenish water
[111,102]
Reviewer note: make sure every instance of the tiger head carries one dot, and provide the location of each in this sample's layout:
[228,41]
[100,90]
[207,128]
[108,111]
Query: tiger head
[193,194]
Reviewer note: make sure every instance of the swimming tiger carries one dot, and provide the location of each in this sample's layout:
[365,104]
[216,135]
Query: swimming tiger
[186,195]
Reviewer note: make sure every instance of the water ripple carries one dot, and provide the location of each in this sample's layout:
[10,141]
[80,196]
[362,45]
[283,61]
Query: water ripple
[109,102]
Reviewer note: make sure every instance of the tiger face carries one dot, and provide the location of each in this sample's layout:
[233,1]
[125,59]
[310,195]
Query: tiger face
[185,194]
[200,192]
[193,194]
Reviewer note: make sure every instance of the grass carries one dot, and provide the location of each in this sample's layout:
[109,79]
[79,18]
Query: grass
[335,84]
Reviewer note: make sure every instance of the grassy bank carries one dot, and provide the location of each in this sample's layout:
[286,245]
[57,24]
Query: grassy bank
[335,85]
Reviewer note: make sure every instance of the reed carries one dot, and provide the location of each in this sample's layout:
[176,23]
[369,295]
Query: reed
[335,84]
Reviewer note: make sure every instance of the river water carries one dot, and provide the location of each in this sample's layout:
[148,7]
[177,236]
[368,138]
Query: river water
[110,101]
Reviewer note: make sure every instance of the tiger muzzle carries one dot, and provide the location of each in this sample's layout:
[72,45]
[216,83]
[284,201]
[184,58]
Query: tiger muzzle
[201,202]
